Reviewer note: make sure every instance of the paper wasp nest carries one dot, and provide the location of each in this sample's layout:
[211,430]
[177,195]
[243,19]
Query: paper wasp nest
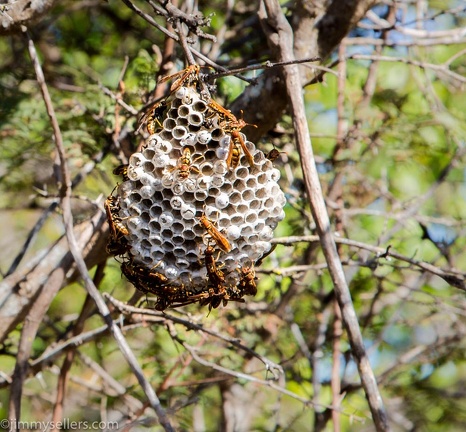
[179,179]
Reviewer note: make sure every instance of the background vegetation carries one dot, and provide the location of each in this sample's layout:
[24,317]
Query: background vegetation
[386,112]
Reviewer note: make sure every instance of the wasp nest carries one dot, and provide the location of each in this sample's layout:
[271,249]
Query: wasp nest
[198,205]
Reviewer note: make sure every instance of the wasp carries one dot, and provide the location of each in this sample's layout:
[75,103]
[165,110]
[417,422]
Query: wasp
[273,154]
[216,235]
[247,283]
[213,302]
[182,299]
[184,166]
[226,115]
[117,244]
[147,281]
[215,275]
[146,275]
[122,170]
[177,293]
[153,282]
[234,152]
[237,142]
[216,279]
[154,116]
[128,270]
[233,126]
[112,208]
[117,247]
[186,76]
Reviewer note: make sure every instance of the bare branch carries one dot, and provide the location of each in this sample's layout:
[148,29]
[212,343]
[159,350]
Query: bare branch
[435,67]
[271,366]
[280,36]
[454,278]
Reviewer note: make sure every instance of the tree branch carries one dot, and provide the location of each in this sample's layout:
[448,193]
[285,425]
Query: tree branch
[281,39]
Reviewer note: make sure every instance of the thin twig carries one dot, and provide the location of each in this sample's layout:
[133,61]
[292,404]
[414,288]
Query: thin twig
[423,65]
[253,379]
[457,39]
[193,21]
[110,382]
[28,333]
[265,65]
[119,101]
[317,362]
[336,366]
[455,278]
[184,43]
[165,65]
[276,369]
[195,52]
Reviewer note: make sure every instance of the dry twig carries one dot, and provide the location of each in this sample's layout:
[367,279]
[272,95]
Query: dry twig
[280,36]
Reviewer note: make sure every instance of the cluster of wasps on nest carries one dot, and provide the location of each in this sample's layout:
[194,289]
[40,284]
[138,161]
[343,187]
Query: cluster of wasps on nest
[149,280]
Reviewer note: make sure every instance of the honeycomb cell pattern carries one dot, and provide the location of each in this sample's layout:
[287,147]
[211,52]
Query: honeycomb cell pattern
[198,213]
